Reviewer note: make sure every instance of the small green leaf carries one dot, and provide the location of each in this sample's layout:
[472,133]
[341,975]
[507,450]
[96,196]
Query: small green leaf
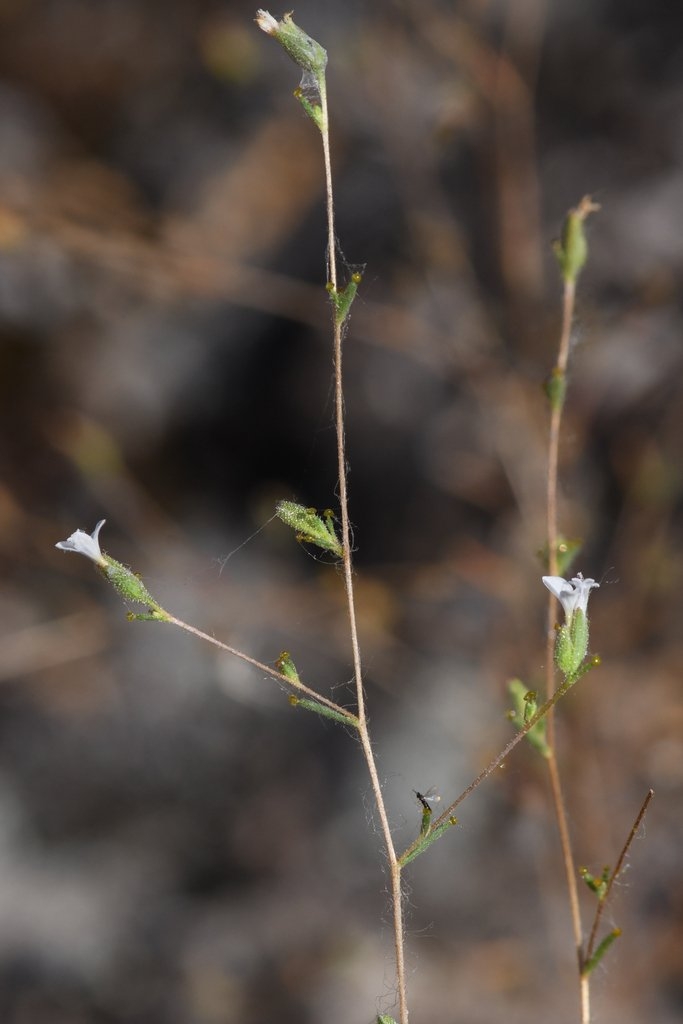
[426,839]
[426,822]
[530,705]
[596,885]
[425,799]
[342,300]
[525,707]
[314,110]
[591,964]
[566,551]
[322,709]
[286,666]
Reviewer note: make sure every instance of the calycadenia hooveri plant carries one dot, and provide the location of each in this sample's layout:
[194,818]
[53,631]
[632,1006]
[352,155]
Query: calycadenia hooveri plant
[569,652]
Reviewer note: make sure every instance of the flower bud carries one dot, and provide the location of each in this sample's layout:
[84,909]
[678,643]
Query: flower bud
[311,528]
[304,51]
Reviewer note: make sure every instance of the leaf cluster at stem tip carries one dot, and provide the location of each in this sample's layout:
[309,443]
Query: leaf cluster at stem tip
[571,250]
[310,527]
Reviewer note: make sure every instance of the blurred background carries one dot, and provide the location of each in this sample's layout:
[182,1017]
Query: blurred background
[177,844]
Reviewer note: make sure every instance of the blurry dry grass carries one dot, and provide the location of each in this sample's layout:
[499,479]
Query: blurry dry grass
[188,840]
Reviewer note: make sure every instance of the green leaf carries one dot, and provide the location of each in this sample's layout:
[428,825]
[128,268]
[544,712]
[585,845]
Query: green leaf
[314,110]
[566,551]
[426,839]
[286,666]
[525,707]
[591,964]
[322,709]
[342,300]
[596,885]
[426,821]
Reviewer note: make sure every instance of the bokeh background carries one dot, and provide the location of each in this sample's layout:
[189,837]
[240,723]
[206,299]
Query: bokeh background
[177,844]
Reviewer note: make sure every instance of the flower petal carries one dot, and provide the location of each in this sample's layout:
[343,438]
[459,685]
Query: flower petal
[266,21]
[572,594]
[83,543]
[557,586]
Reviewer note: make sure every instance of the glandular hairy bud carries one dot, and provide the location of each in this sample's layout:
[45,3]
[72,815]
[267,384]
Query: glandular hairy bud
[310,527]
[571,645]
[304,51]
[571,250]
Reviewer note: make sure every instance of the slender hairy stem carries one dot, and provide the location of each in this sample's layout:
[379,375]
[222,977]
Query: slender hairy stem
[590,948]
[394,866]
[568,301]
[553,537]
[325,132]
[268,669]
[495,763]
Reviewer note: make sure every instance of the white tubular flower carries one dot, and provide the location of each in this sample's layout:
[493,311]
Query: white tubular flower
[85,544]
[572,594]
[123,579]
[266,21]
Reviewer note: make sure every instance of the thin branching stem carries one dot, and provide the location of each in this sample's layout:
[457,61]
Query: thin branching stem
[496,762]
[602,902]
[347,563]
[553,537]
[268,669]
[325,132]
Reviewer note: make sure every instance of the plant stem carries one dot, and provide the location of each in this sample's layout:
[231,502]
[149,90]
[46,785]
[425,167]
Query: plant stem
[590,947]
[495,763]
[552,539]
[347,562]
[268,669]
[568,301]
[329,193]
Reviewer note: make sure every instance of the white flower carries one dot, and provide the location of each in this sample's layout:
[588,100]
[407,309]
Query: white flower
[572,594]
[267,22]
[85,544]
